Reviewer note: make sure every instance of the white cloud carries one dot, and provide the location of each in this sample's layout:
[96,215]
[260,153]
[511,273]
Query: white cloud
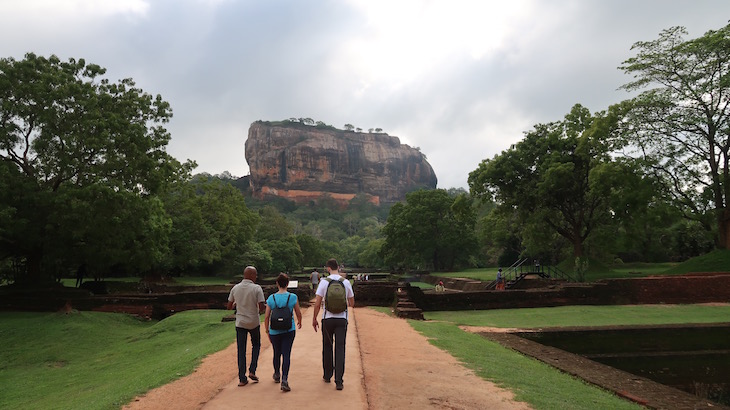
[460,79]
[73,8]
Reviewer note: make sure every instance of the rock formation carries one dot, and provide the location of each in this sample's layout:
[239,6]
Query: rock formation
[304,163]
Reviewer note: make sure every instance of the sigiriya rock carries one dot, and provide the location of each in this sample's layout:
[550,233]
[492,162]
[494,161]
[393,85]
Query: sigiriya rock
[304,163]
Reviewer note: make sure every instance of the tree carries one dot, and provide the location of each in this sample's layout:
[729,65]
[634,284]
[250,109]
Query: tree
[313,253]
[430,229]
[554,178]
[681,127]
[82,150]
[286,256]
[349,127]
[210,224]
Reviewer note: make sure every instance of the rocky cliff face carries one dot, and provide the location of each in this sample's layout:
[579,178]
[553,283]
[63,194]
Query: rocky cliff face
[303,163]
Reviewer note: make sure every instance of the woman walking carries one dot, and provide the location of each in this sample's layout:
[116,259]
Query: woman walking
[279,308]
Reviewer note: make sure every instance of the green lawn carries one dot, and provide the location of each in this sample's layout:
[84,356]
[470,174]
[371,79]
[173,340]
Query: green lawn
[715,261]
[534,382]
[586,316]
[93,360]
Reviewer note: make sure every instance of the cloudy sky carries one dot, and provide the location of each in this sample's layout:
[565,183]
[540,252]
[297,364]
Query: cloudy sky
[461,80]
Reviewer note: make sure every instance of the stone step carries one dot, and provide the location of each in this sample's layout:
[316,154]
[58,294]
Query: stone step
[409,313]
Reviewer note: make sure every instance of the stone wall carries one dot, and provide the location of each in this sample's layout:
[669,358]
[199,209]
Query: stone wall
[163,301]
[694,288]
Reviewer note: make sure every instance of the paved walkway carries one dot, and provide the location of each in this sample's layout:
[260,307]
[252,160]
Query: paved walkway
[308,390]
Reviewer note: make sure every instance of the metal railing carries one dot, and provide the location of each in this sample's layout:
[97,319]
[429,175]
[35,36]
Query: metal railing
[520,268]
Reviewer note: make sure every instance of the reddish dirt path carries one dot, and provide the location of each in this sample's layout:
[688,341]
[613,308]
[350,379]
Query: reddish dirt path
[389,365]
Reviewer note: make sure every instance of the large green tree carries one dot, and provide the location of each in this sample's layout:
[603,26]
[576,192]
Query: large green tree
[210,224]
[85,158]
[556,180]
[430,230]
[680,123]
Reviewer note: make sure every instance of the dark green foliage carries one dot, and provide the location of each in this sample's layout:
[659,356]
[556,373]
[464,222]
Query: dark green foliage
[430,230]
[83,159]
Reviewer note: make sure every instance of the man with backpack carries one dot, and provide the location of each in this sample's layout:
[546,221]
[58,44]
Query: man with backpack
[336,291]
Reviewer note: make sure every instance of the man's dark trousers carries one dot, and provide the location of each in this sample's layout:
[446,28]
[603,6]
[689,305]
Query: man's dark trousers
[241,335]
[337,328]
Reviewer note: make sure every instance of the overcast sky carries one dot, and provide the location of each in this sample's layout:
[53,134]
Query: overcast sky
[461,80]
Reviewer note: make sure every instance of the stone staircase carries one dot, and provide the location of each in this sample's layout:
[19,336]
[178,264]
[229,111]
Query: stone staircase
[405,308]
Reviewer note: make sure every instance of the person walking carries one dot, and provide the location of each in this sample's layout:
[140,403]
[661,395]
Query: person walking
[248,299]
[500,280]
[314,278]
[282,336]
[337,293]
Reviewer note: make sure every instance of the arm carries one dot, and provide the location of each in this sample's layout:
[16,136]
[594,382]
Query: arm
[230,305]
[298,312]
[351,302]
[317,306]
[262,307]
[267,317]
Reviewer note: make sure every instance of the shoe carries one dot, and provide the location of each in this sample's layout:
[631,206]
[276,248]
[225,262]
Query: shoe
[243,383]
[277,378]
[253,377]
[339,386]
[285,386]
[326,380]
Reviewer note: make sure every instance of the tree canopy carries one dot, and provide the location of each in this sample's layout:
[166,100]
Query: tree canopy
[84,157]
[680,124]
[430,230]
[558,179]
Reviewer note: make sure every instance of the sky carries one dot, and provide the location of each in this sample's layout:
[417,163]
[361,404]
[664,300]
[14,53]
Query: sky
[461,80]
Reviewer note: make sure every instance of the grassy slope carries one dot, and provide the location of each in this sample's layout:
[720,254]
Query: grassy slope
[92,360]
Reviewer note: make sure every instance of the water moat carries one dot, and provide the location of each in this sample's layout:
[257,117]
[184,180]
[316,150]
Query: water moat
[694,359]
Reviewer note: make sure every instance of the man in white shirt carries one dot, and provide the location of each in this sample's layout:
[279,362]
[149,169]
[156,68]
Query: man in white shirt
[334,325]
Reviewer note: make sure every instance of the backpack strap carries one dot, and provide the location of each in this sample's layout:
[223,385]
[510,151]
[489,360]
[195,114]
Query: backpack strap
[287,300]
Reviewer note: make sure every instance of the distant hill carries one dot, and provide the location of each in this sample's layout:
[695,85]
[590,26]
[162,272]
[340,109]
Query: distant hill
[304,163]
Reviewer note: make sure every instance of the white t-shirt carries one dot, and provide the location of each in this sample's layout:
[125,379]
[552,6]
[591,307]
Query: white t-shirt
[322,291]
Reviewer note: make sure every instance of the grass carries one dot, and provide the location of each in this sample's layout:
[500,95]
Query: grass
[715,261]
[422,285]
[532,381]
[482,274]
[585,316]
[93,360]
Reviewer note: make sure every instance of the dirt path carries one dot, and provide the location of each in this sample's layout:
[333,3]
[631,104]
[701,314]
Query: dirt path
[388,365]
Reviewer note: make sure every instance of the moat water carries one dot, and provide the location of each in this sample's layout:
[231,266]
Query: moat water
[695,359]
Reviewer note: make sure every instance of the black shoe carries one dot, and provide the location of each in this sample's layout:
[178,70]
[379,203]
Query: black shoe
[326,380]
[253,377]
[285,386]
[242,383]
[277,378]
[339,386]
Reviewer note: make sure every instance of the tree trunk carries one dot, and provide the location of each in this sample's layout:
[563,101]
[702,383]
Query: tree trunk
[33,268]
[577,247]
[723,225]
